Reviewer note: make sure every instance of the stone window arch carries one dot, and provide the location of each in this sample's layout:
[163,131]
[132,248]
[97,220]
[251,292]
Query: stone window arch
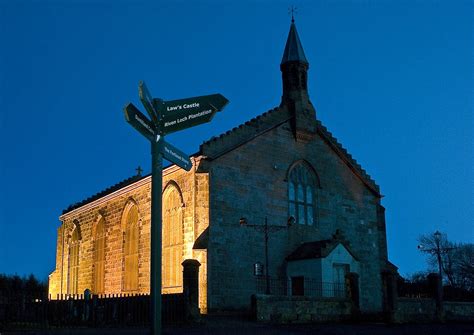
[302,185]
[99,240]
[73,260]
[173,240]
[131,234]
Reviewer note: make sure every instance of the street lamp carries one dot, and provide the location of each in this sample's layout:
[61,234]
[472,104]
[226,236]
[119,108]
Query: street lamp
[266,229]
[437,237]
[437,250]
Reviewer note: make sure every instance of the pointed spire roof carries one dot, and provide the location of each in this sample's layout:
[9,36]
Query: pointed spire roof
[293,49]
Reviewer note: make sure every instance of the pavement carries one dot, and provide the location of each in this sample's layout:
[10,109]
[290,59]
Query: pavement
[218,325]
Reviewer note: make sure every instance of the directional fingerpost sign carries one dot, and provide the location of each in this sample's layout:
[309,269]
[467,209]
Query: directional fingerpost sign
[166,117]
[176,156]
[185,113]
[147,101]
[139,121]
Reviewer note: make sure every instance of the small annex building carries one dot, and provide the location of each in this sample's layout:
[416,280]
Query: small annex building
[283,167]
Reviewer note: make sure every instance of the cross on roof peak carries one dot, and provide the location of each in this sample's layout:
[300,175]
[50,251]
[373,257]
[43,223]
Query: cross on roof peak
[139,171]
[292,10]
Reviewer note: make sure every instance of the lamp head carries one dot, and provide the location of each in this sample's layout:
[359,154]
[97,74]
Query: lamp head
[243,221]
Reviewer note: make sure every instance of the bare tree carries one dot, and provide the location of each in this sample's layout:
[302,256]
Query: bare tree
[454,261]
[462,265]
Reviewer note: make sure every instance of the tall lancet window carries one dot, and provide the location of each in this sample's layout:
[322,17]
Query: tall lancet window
[99,256]
[302,182]
[130,250]
[73,264]
[172,270]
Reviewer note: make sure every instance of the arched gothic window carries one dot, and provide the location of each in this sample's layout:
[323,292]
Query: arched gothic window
[172,271]
[130,250]
[73,264]
[301,194]
[99,256]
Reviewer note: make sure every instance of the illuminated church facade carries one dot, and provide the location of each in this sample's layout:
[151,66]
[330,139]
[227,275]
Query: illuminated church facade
[283,167]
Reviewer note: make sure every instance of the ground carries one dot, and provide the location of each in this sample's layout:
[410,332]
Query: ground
[231,325]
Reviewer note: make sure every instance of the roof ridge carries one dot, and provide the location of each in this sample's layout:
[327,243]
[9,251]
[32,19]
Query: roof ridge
[236,131]
[261,123]
[240,126]
[104,192]
[351,160]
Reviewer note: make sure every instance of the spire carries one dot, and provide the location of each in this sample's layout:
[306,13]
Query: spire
[293,49]
[294,69]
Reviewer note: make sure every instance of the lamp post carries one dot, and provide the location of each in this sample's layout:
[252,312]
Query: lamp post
[266,229]
[437,250]
[437,237]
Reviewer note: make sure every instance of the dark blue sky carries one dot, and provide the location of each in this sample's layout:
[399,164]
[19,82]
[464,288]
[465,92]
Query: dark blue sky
[392,80]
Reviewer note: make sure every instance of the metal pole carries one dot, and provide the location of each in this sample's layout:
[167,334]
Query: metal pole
[440,281]
[267,291]
[438,254]
[155,272]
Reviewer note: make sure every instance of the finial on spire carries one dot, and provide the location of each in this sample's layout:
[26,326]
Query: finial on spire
[139,171]
[293,49]
[292,10]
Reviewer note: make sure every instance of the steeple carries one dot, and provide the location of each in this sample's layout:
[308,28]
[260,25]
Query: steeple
[294,68]
[293,50]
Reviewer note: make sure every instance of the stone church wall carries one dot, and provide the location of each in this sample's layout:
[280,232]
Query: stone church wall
[250,181]
[194,190]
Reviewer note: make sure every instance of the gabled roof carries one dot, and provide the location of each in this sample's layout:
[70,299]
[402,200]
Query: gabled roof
[225,142]
[293,49]
[347,157]
[316,249]
[217,146]
[103,193]
[210,148]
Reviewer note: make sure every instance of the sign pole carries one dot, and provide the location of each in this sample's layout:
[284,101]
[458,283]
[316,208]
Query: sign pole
[156,208]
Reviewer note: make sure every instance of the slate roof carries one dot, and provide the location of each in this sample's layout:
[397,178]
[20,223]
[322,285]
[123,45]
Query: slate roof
[316,249]
[103,193]
[293,49]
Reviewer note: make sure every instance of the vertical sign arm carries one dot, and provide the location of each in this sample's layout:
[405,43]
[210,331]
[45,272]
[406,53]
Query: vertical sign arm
[156,231]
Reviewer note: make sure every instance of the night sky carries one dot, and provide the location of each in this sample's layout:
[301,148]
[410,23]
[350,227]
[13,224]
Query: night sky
[392,80]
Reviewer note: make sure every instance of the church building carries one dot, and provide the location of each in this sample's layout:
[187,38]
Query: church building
[278,196]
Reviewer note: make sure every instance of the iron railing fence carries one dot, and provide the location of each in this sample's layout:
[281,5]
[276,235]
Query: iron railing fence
[302,286]
[95,311]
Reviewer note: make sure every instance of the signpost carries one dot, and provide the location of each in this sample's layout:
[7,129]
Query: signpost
[176,156]
[166,117]
[190,112]
[139,121]
[147,101]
